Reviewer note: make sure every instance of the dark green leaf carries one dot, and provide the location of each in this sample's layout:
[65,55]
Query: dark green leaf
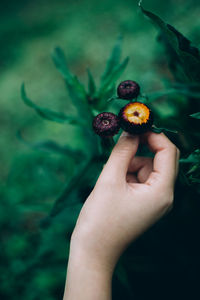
[91,84]
[184,58]
[76,89]
[111,79]
[52,146]
[47,113]
[170,91]
[122,275]
[159,130]
[61,64]
[158,22]
[194,157]
[196,115]
[193,169]
[157,94]
[113,60]
[86,175]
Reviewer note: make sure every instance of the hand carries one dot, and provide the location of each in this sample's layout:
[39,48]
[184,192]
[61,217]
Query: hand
[130,195]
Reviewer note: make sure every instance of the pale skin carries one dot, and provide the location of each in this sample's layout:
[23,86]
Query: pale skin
[130,195]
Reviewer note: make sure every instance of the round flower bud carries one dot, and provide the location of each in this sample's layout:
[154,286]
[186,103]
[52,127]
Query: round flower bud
[106,124]
[128,90]
[135,118]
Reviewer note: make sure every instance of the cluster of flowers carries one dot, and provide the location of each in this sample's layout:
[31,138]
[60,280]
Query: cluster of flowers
[135,117]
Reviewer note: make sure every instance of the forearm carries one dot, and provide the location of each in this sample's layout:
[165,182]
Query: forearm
[87,278]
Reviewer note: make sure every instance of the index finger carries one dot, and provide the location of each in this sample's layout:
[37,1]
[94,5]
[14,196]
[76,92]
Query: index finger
[165,159]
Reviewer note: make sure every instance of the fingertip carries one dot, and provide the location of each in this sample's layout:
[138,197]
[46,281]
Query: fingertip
[124,150]
[127,140]
[156,141]
[127,134]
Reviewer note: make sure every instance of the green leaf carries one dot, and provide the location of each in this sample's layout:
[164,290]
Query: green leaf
[52,146]
[196,115]
[157,94]
[160,129]
[170,91]
[91,84]
[75,89]
[113,60]
[192,162]
[56,148]
[160,24]
[47,113]
[122,275]
[193,157]
[184,58]
[61,64]
[86,175]
[111,79]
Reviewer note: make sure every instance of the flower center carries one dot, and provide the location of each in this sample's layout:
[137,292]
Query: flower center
[136,114]
[105,122]
[127,86]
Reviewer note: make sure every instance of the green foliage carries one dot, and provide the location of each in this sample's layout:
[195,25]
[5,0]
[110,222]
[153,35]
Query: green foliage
[95,98]
[46,113]
[91,85]
[113,70]
[75,89]
[196,115]
[159,130]
[184,58]
[86,104]
[46,181]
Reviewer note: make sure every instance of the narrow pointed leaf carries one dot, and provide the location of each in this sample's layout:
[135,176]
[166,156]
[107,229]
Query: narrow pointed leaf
[160,129]
[91,84]
[196,115]
[184,58]
[193,157]
[170,91]
[114,59]
[61,64]
[56,148]
[47,113]
[86,175]
[112,78]
[51,146]
[75,88]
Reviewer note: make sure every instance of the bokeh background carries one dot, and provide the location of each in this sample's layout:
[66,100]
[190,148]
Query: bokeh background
[162,264]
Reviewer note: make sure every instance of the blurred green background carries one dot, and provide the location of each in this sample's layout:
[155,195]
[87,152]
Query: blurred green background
[164,263]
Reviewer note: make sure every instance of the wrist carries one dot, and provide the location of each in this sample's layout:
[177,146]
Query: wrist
[90,258]
[87,277]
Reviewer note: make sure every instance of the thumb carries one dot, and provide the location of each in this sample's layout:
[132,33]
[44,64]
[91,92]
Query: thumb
[119,160]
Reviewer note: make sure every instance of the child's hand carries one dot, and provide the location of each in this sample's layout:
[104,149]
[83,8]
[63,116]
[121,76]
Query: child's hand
[130,195]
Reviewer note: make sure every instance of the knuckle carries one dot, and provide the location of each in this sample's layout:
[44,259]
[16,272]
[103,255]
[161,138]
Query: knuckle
[173,148]
[166,198]
[168,201]
[171,198]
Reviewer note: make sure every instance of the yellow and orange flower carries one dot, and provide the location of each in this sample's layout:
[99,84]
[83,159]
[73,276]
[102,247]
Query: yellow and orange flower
[135,118]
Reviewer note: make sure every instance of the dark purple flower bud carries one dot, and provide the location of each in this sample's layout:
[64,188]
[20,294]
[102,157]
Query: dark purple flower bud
[106,124]
[128,90]
[135,118]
